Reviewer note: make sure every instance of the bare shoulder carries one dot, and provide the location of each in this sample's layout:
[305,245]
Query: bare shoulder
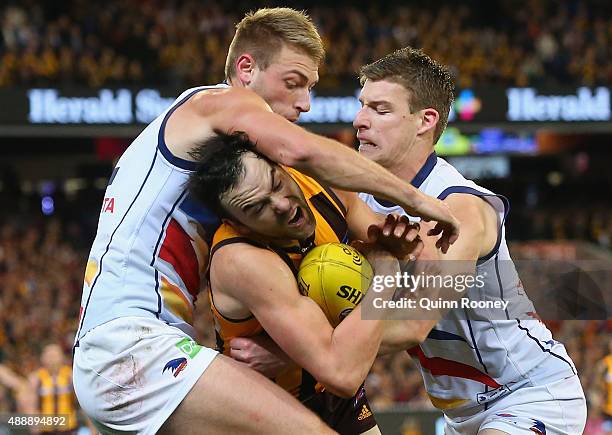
[238,264]
[212,102]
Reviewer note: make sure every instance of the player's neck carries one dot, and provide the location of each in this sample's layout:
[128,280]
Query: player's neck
[234,82]
[411,162]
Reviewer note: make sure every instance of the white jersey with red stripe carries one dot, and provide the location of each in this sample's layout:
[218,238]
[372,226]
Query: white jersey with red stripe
[474,356]
[149,254]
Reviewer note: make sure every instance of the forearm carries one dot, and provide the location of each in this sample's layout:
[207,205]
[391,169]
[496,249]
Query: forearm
[399,335]
[10,378]
[342,167]
[354,346]
[355,341]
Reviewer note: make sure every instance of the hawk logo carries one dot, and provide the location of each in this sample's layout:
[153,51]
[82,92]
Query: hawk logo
[176,366]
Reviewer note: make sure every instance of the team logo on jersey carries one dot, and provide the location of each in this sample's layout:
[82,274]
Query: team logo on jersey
[538,427]
[108,206]
[176,366]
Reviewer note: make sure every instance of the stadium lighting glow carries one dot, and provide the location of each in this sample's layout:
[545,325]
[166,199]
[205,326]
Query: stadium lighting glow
[47,205]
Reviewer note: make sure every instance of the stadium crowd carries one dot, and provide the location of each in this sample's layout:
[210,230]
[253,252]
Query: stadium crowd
[183,43]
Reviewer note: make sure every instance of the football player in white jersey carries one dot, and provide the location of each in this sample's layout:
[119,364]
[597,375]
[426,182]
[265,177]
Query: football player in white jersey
[137,368]
[490,372]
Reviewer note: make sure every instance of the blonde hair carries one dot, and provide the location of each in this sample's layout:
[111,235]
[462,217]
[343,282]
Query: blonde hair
[263,33]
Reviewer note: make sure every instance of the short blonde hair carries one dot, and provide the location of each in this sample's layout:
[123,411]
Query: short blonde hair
[263,33]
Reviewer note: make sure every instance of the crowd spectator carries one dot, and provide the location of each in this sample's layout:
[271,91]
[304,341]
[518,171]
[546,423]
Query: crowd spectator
[183,43]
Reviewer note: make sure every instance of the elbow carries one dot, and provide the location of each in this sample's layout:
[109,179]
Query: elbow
[344,388]
[303,151]
[420,336]
[297,155]
[343,383]
[423,330]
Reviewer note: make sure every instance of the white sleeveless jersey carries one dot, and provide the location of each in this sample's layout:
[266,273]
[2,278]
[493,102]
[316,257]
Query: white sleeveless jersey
[149,254]
[474,356]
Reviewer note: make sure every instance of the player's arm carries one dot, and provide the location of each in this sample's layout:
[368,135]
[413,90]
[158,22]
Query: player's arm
[261,354]
[28,402]
[401,238]
[479,234]
[339,358]
[10,379]
[236,109]
[359,217]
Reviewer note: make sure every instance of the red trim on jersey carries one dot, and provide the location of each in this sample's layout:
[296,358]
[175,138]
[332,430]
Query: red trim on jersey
[179,252]
[439,366]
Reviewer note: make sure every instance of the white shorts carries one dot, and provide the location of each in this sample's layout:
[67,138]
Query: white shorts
[131,373]
[557,408]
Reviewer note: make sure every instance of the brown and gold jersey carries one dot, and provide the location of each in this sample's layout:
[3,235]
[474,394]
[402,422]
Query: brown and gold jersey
[330,227]
[56,397]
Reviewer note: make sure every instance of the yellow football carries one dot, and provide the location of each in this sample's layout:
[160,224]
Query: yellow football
[336,277]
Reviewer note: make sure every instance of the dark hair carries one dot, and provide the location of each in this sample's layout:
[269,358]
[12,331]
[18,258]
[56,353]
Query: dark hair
[428,82]
[219,168]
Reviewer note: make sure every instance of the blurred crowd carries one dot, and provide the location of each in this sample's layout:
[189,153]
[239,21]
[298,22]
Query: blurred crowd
[183,43]
[592,224]
[41,275]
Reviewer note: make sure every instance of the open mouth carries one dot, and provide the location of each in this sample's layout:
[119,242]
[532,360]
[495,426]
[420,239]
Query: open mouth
[296,217]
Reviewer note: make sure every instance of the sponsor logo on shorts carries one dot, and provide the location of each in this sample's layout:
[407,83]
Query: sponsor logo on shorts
[365,413]
[176,366]
[538,427]
[189,347]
